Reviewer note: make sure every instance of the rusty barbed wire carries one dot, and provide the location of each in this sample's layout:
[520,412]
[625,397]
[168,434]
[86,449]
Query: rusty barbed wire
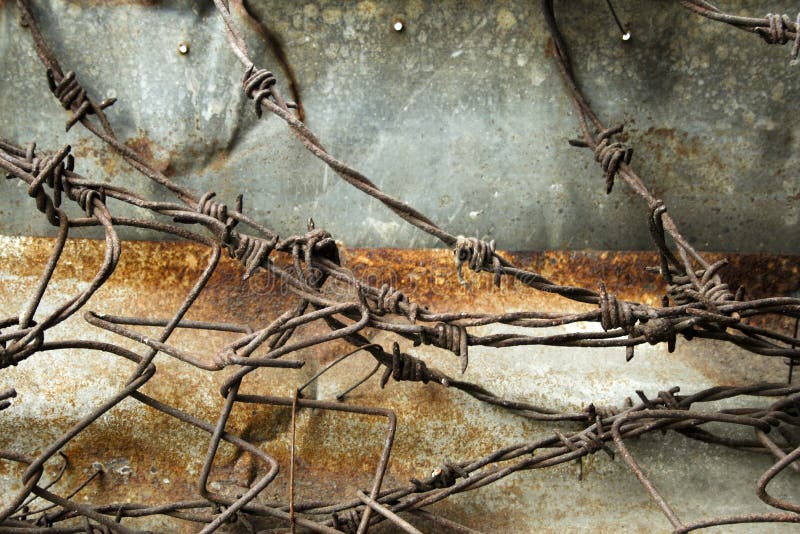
[698,304]
[773,28]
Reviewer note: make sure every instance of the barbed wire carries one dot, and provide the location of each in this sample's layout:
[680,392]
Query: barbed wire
[697,304]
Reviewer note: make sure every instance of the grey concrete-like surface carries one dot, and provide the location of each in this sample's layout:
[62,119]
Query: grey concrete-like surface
[463,115]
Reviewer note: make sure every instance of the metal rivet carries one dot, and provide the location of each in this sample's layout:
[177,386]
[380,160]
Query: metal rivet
[626,35]
[183,48]
[398,25]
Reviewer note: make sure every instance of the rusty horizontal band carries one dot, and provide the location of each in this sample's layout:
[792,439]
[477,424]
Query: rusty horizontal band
[161,458]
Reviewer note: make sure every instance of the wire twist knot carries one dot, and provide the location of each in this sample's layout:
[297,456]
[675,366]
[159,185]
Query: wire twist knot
[224,357]
[16,352]
[667,398]
[405,368]
[657,330]
[258,84]
[212,208]
[779,30]
[389,299]
[49,170]
[586,440]
[611,155]
[304,247]
[615,313]
[479,255]
[441,477]
[85,198]
[219,211]
[73,97]
[315,240]
[664,398]
[707,289]
[251,251]
[603,412]
[449,337]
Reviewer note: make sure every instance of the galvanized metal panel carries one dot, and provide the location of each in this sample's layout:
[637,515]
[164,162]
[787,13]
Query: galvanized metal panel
[462,114]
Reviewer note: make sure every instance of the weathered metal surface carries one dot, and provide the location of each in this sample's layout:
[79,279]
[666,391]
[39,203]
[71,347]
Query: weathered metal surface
[337,452]
[465,94]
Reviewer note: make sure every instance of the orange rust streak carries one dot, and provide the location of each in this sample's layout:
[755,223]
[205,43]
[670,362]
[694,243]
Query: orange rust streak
[153,278]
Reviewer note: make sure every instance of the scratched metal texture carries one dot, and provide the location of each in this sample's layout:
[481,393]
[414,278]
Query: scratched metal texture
[463,115]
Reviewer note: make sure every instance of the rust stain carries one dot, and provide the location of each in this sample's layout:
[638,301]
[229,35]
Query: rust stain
[150,151]
[142,145]
[112,163]
[433,425]
[665,133]
[85,149]
[548,48]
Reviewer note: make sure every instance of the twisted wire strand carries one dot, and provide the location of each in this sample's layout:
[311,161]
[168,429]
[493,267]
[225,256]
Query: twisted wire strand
[72,96]
[704,287]
[449,337]
[391,300]
[773,28]
[615,313]
[479,255]
[779,31]
[405,367]
[444,476]
[610,155]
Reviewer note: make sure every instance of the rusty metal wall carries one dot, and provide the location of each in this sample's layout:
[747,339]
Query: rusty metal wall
[466,94]
[160,459]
